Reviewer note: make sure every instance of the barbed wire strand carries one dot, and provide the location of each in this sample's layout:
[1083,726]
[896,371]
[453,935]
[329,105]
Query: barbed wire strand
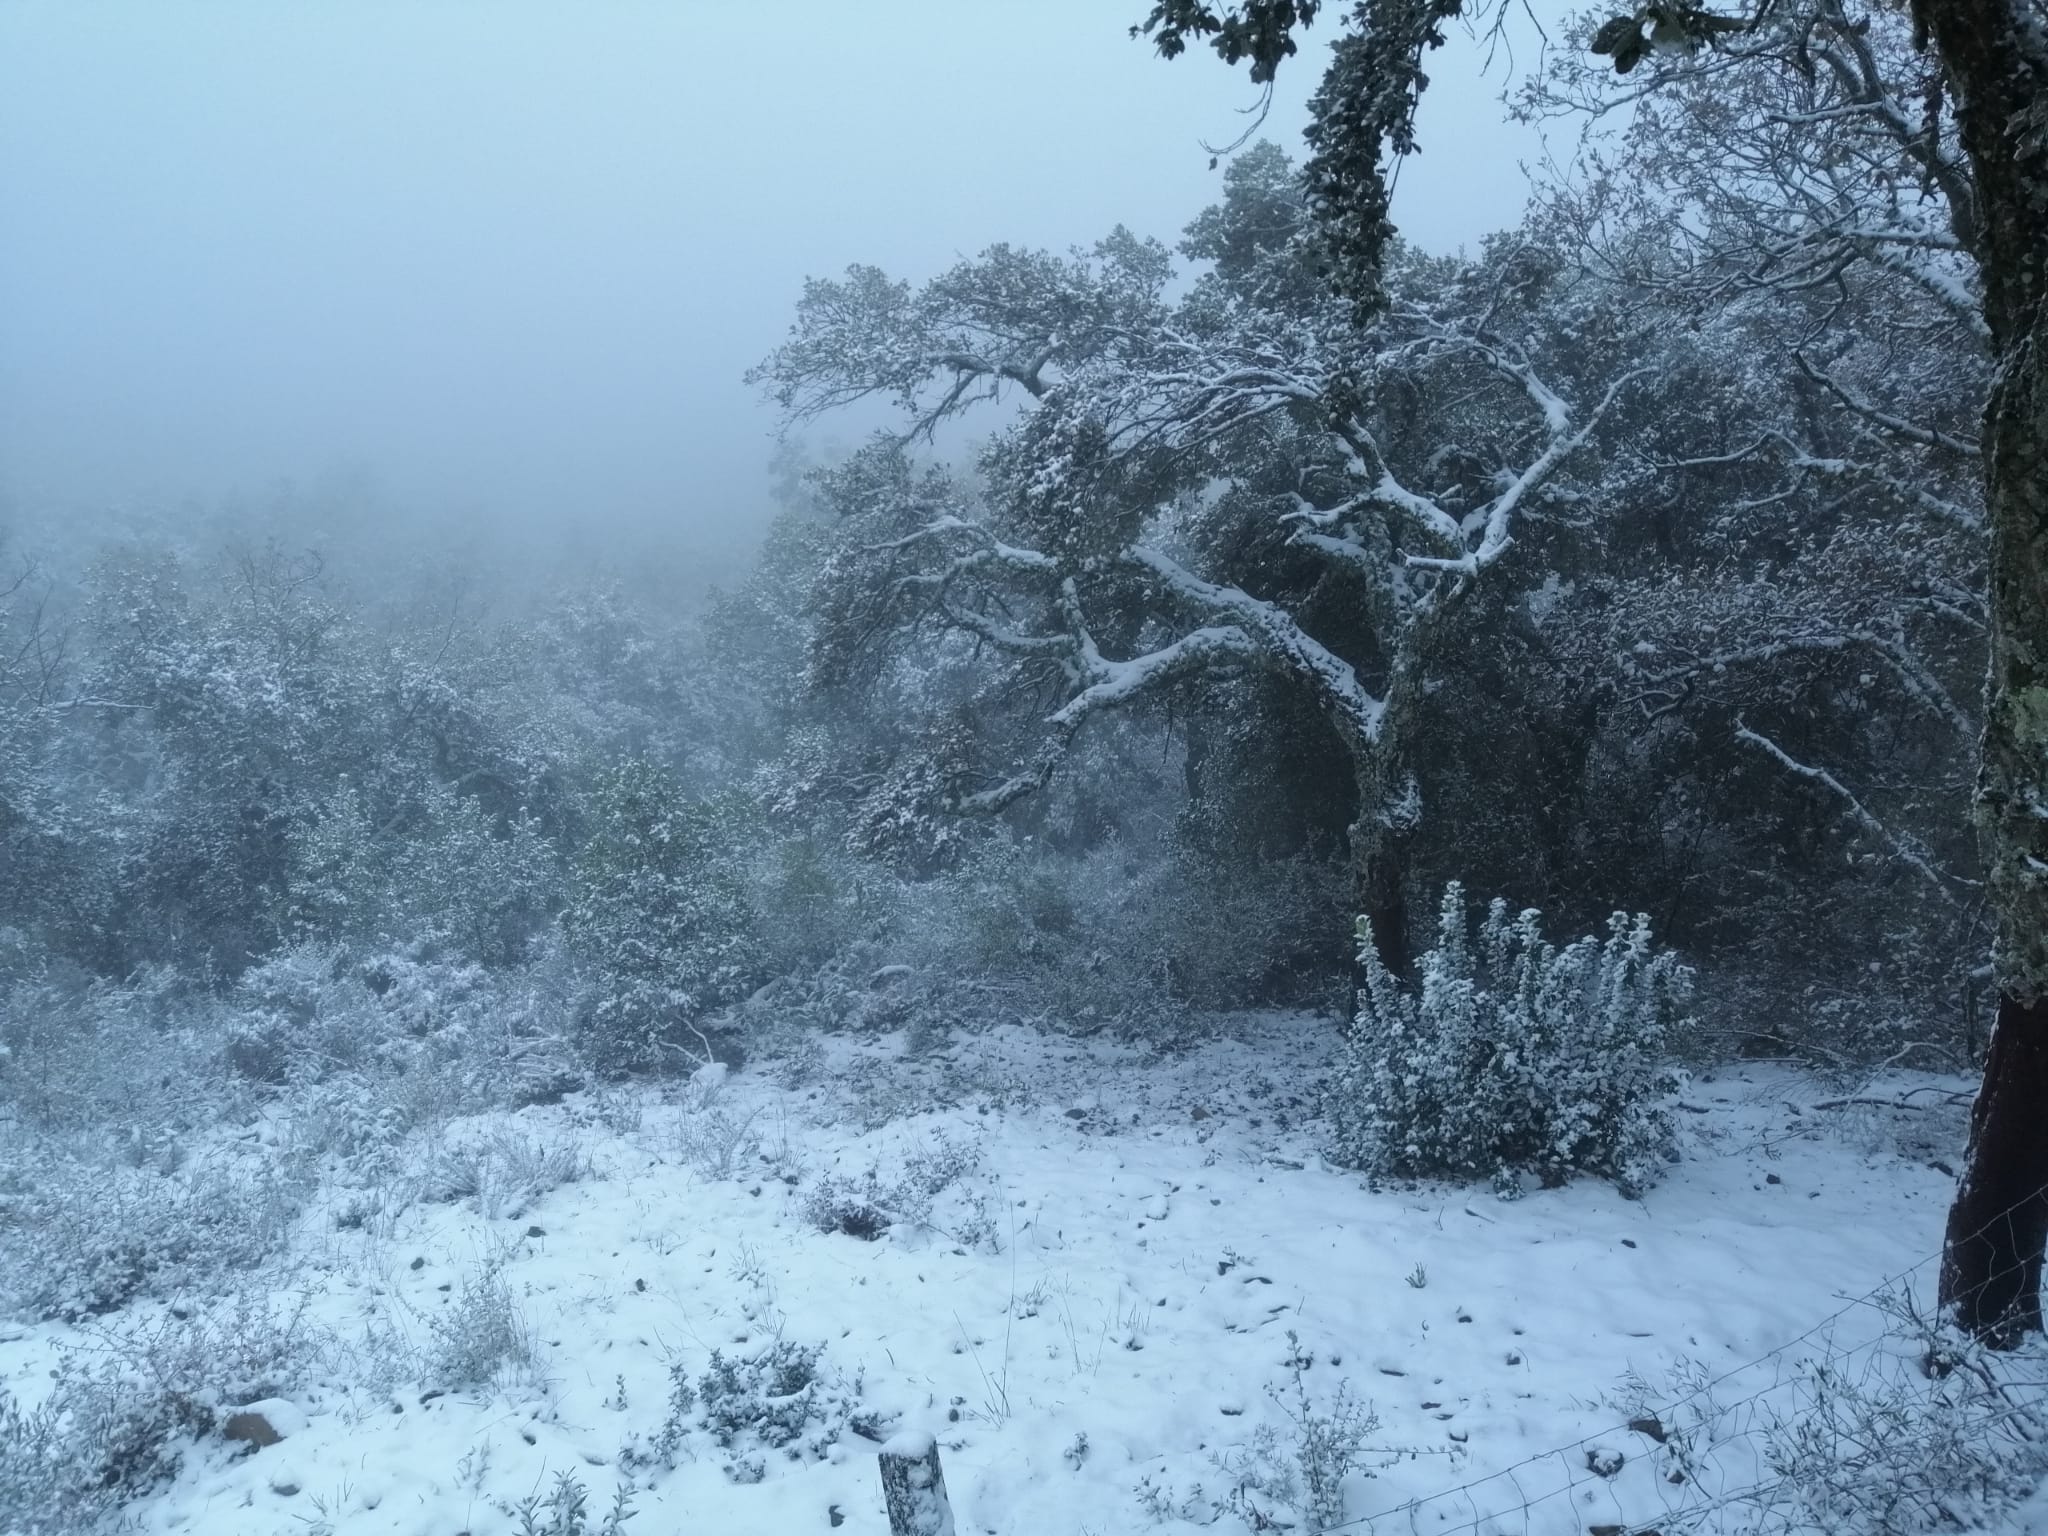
[1773,1356]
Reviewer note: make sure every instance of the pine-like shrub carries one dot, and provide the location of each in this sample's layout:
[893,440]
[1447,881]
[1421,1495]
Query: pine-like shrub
[658,920]
[1513,1056]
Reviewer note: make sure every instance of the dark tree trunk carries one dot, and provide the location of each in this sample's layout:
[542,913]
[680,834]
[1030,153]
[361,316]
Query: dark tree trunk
[1991,1261]
[1996,66]
[1387,811]
[1379,875]
[1382,887]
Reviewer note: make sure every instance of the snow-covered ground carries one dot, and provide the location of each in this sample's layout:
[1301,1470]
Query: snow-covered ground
[1134,1280]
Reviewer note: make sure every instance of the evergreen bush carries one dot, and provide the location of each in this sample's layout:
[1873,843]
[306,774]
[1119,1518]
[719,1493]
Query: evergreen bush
[1513,1056]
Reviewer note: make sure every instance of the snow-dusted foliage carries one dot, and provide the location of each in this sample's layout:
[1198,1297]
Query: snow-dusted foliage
[1237,481]
[121,1418]
[457,880]
[783,1397]
[658,920]
[1513,1056]
[81,1240]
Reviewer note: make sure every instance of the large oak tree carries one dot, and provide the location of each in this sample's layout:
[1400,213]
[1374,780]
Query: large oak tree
[1991,58]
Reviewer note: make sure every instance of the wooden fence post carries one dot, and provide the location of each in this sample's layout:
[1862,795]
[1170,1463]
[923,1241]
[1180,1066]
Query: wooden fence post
[914,1487]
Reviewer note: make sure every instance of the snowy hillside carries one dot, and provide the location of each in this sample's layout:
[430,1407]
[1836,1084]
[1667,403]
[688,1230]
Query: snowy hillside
[1122,1289]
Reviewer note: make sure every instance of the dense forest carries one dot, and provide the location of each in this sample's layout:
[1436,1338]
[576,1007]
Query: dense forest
[1196,648]
[1628,564]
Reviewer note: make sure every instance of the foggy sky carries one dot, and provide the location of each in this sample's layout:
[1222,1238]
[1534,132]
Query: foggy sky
[511,259]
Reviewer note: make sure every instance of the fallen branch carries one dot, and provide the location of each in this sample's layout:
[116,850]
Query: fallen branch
[1951,1096]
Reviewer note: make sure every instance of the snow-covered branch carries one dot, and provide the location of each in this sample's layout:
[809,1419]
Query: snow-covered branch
[1856,810]
[1926,437]
[1282,640]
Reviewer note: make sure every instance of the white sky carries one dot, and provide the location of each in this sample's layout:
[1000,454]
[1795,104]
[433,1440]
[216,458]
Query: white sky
[514,257]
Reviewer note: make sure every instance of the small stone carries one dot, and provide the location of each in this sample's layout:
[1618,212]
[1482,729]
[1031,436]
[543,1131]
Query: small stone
[835,1514]
[1514,1357]
[417,1265]
[253,1428]
[263,1424]
[535,1232]
[1772,1178]
[1628,1242]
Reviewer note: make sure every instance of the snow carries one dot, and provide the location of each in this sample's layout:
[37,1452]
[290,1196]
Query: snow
[915,1444]
[1169,1248]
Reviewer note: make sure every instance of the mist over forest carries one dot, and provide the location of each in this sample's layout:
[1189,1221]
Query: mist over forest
[1103,745]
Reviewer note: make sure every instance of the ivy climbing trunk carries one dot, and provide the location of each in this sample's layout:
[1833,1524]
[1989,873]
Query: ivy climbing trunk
[1995,61]
[1379,875]
[1388,810]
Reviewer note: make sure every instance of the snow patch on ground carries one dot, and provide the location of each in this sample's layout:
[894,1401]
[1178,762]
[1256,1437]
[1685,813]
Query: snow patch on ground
[1134,1272]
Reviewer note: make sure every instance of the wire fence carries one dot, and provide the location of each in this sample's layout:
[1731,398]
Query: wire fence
[1875,1419]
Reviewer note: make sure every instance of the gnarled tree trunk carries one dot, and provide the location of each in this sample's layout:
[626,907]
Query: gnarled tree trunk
[1379,877]
[1991,1262]
[1388,811]
[1995,57]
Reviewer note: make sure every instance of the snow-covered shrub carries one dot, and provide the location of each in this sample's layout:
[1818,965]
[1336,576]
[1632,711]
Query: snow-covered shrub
[836,1204]
[784,1397]
[675,1428]
[481,1332]
[43,1487]
[1513,1056]
[565,1511]
[140,1055]
[858,990]
[658,919]
[454,879]
[1304,1471]
[868,1207]
[79,1240]
[811,901]
[1117,938]
[1905,1429]
[124,1407]
[716,1139]
[502,1171]
[310,1011]
[365,1048]
[1898,1457]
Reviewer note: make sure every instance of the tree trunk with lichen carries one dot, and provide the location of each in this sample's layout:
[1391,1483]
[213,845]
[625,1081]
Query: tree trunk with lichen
[1991,1268]
[1379,863]
[1388,811]
[1995,60]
